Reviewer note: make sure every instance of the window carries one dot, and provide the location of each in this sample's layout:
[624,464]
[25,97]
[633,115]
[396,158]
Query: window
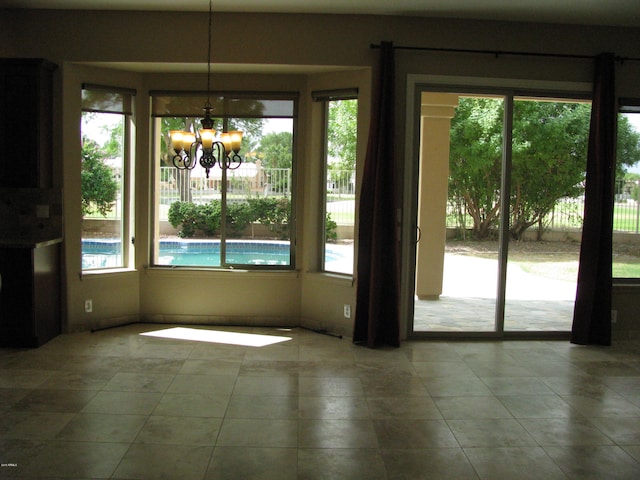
[241,217]
[105,176]
[339,202]
[626,213]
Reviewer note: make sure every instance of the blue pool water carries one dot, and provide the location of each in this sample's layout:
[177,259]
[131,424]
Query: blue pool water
[106,253]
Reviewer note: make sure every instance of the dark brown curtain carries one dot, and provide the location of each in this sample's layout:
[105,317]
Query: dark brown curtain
[592,311]
[378,289]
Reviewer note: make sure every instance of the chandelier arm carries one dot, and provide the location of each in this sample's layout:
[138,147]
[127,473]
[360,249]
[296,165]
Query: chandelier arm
[234,159]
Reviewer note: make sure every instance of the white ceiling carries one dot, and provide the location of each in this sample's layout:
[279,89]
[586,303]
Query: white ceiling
[586,12]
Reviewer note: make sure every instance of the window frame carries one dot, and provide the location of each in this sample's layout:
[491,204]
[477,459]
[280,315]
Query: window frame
[325,97]
[627,106]
[127,110]
[223,109]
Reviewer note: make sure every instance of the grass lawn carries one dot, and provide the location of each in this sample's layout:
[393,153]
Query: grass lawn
[557,260]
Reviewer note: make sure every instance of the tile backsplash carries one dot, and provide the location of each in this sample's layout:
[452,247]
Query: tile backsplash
[30,214]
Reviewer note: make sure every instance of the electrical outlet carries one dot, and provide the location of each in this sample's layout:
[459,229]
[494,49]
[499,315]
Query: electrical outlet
[88,306]
[347,310]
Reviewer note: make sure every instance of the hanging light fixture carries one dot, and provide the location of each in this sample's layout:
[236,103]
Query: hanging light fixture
[204,147]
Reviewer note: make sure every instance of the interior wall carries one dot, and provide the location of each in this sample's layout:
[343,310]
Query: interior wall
[148,41]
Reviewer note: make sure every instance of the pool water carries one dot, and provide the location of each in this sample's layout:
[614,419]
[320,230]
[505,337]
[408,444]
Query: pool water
[107,253]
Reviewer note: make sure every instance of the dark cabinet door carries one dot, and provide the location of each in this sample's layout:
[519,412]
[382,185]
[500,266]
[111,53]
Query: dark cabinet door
[26,122]
[29,296]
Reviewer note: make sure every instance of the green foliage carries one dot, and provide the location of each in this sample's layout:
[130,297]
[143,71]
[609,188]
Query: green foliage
[475,160]
[276,150]
[549,150]
[184,214]
[98,185]
[330,229]
[342,133]
[273,212]
[191,218]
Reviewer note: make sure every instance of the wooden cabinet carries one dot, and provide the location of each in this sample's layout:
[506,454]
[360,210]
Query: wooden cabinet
[30,307]
[29,294]
[25,122]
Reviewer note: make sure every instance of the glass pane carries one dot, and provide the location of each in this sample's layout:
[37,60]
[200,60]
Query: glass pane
[626,222]
[340,193]
[545,227]
[256,198]
[189,204]
[259,196]
[103,143]
[458,213]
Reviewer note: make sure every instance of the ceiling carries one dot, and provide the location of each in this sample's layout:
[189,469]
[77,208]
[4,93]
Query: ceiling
[585,12]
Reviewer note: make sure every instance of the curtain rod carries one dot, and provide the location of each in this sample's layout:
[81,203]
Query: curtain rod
[497,53]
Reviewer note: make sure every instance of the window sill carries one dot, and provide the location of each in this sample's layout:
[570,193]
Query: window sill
[106,272]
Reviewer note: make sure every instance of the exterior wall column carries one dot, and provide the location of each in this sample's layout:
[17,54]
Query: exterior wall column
[437,110]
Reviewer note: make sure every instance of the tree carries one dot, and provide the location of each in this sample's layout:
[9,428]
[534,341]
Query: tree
[342,135]
[342,139]
[99,187]
[475,160]
[549,159]
[275,150]
[549,149]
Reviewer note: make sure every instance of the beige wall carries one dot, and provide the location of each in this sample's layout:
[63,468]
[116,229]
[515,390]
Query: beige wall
[294,53]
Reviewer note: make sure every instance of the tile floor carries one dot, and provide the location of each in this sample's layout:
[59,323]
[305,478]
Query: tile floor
[118,404]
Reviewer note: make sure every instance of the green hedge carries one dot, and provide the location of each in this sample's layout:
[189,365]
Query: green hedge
[275,213]
[190,218]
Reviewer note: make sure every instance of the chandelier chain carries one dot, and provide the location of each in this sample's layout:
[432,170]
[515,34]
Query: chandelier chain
[208,105]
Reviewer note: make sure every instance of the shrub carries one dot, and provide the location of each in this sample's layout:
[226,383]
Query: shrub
[330,229]
[272,212]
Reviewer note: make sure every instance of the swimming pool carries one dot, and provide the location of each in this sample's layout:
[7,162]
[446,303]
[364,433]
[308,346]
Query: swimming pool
[107,253]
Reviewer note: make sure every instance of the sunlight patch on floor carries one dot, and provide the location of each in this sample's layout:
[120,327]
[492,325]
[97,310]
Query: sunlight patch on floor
[217,336]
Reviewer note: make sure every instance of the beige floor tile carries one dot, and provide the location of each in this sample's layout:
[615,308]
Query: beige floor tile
[569,431]
[598,462]
[139,382]
[240,463]
[216,384]
[239,432]
[98,427]
[493,432]
[77,459]
[476,407]
[435,463]
[266,386]
[330,387]
[180,430]
[337,464]
[522,463]
[410,434]
[536,406]
[249,406]
[132,403]
[192,405]
[33,425]
[419,408]
[164,462]
[334,407]
[337,434]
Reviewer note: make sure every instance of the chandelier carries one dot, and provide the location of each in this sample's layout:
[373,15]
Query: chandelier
[204,147]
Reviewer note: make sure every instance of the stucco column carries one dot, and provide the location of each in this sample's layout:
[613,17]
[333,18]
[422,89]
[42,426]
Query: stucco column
[437,111]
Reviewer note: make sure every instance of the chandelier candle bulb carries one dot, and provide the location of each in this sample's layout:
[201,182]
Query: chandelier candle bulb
[207,137]
[177,140]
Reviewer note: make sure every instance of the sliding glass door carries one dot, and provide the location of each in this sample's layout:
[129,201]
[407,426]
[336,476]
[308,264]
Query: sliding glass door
[499,212]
